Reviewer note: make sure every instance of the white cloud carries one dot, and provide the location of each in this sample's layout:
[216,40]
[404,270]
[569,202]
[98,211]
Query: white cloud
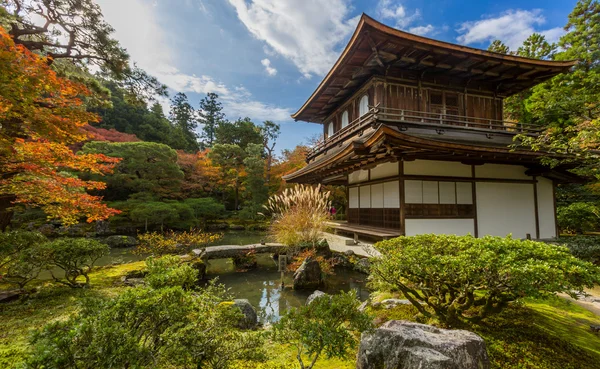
[145,41]
[511,27]
[422,30]
[268,68]
[306,32]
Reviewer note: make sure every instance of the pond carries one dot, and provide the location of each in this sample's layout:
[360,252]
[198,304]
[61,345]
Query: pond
[262,286]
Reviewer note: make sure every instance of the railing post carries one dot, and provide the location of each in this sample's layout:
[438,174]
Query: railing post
[491,127]
[402,115]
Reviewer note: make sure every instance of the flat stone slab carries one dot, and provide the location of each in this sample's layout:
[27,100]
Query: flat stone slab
[229,251]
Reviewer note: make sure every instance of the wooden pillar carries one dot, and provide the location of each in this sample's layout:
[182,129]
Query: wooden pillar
[474,192]
[535,207]
[401,196]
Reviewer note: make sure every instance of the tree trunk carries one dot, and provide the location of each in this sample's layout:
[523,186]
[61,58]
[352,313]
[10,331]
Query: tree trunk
[5,213]
[237,195]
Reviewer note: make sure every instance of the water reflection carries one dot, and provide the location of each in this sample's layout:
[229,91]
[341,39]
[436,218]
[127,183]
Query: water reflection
[261,286]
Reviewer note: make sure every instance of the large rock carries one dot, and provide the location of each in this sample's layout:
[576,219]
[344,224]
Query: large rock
[115,242]
[315,295]
[200,266]
[406,345]
[249,319]
[391,303]
[363,265]
[308,276]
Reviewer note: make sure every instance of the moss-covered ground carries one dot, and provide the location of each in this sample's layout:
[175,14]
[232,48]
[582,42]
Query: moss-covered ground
[535,334]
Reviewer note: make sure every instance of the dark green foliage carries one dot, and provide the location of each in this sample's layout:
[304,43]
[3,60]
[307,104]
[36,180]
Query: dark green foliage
[210,117]
[578,217]
[584,247]
[75,256]
[157,214]
[170,271]
[146,167]
[256,185]
[182,115]
[205,209]
[242,132]
[462,277]
[147,327]
[21,258]
[329,325]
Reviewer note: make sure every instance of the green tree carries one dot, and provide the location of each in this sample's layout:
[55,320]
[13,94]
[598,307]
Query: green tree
[147,327]
[242,132]
[184,118]
[75,31]
[153,213]
[145,167]
[229,158]
[255,184]
[75,256]
[21,258]
[498,46]
[270,132]
[205,209]
[329,325]
[210,117]
[463,277]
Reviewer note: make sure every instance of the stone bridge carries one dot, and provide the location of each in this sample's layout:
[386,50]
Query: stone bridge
[230,251]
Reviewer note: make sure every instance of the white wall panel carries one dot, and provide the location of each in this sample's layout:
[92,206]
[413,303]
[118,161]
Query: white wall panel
[413,192]
[437,168]
[430,192]
[545,195]
[464,193]
[358,176]
[377,196]
[365,197]
[505,208]
[459,227]
[501,171]
[384,170]
[353,197]
[391,195]
[447,193]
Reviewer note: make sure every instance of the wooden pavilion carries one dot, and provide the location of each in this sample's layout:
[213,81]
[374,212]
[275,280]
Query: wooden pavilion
[414,128]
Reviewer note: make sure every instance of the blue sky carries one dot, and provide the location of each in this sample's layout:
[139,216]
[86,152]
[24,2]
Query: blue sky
[265,57]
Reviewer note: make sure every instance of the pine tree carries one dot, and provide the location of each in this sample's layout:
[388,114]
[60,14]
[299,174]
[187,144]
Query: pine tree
[498,47]
[183,117]
[210,116]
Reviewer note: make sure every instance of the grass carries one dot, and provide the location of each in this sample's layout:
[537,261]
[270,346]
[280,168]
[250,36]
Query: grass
[536,334]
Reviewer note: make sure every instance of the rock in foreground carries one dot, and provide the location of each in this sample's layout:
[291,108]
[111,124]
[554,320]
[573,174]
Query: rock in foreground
[249,319]
[406,345]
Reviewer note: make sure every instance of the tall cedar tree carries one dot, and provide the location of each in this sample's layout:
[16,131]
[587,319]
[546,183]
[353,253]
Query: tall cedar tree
[40,115]
[270,132]
[75,30]
[210,116]
[182,115]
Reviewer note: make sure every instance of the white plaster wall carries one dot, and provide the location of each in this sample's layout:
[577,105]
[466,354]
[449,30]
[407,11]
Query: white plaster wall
[464,193]
[384,170]
[353,197]
[437,168]
[365,197]
[377,196]
[505,208]
[391,195]
[501,171]
[459,227]
[546,218]
[358,176]
[413,192]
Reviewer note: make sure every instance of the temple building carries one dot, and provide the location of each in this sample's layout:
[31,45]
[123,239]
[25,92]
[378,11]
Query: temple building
[414,129]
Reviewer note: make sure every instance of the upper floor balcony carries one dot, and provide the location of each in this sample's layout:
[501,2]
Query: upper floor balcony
[438,121]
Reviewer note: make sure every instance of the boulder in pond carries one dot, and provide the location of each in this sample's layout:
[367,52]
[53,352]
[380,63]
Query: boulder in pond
[117,241]
[315,295]
[363,265]
[200,266]
[406,345]
[249,319]
[308,275]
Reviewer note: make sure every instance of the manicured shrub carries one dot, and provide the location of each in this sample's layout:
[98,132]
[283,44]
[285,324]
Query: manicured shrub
[299,215]
[169,271]
[578,217]
[584,247]
[158,244]
[76,257]
[205,209]
[452,277]
[148,328]
[329,325]
[21,258]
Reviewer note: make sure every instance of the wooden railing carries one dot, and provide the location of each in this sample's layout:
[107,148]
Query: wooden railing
[378,113]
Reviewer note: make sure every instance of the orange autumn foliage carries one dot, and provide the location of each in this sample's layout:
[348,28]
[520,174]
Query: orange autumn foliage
[201,177]
[40,115]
